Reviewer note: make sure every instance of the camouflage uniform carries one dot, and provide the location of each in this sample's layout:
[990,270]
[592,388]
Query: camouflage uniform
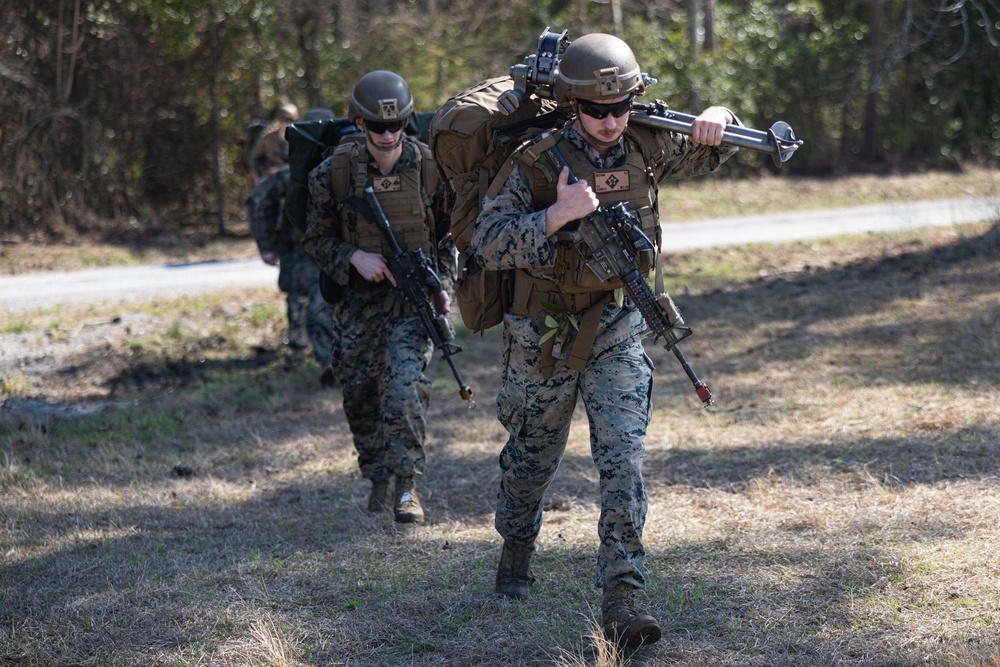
[536,404]
[309,319]
[381,351]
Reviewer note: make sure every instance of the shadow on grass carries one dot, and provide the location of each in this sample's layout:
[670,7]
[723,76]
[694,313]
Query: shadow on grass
[793,316]
[354,589]
[185,575]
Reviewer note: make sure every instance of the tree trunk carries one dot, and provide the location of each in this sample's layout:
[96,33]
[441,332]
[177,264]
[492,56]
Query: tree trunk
[308,40]
[616,18]
[694,46]
[693,14]
[213,91]
[709,23]
[876,47]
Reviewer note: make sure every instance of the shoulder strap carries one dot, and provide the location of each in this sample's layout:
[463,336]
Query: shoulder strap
[528,153]
[645,142]
[343,171]
[429,174]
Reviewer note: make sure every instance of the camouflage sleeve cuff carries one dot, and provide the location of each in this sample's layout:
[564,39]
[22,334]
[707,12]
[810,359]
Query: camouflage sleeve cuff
[341,264]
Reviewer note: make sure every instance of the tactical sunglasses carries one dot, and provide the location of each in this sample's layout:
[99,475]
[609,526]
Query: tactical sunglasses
[378,127]
[601,111]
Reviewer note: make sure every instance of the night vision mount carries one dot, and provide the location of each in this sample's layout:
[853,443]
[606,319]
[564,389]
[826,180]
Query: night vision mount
[537,75]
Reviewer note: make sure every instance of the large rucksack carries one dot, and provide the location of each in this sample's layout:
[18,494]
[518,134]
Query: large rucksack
[471,138]
[309,143]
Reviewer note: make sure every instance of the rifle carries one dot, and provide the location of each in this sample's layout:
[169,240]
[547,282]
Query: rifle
[416,282]
[616,241]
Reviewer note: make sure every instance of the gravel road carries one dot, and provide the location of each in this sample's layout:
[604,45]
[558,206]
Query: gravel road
[136,283]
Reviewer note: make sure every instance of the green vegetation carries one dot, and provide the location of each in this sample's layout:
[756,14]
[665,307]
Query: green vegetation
[142,137]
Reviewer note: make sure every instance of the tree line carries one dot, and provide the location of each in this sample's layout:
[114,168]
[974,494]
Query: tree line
[127,115]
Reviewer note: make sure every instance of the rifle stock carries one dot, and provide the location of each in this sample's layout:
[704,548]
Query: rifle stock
[416,284]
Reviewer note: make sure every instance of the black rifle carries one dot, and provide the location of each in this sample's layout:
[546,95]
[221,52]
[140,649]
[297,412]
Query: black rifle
[416,284]
[614,236]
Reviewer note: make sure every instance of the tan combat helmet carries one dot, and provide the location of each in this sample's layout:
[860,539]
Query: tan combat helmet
[381,96]
[597,67]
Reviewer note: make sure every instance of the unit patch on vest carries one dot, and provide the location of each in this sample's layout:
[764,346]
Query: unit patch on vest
[390,183]
[611,181]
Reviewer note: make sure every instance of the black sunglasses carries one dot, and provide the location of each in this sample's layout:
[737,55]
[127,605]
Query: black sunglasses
[377,127]
[601,111]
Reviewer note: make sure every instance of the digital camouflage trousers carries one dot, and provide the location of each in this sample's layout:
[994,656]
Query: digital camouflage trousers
[615,387]
[380,360]
[309,319]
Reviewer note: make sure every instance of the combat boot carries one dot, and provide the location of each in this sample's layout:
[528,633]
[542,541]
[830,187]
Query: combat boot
[514,577]
[624,625]
[378,499]
[407,507]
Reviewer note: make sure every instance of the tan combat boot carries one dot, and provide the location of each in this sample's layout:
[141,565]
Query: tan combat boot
[514,577]
[407,507]
[624,625]
[378,499]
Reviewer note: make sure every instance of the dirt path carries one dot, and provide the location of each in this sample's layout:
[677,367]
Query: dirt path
[137,283]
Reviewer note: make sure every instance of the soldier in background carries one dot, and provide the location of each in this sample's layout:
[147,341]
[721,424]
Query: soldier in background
[309,319]
[381,351]
[270,151]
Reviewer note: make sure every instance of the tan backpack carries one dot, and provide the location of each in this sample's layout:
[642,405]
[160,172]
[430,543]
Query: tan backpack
[471,139]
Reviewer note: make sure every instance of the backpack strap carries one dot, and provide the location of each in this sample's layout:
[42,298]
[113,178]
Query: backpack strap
[528,153]
[507,135]
[359,160]
[429,174]
[342,170]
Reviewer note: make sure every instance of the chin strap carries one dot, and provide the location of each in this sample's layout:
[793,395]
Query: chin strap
[373,146]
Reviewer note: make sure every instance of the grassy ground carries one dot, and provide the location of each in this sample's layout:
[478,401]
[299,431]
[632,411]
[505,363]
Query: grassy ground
[175,489]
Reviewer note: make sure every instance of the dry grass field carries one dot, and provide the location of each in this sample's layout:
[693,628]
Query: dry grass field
[176,489]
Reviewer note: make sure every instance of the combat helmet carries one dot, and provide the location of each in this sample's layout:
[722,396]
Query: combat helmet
[381,96]
[597,67]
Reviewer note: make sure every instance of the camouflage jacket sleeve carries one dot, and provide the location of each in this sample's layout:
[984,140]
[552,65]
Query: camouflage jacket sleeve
[322,238]
[266,200]
[509,232]
[683,159]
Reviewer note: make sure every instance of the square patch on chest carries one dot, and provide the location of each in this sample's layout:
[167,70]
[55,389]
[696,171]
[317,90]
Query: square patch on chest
[390,183]
[611,181]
